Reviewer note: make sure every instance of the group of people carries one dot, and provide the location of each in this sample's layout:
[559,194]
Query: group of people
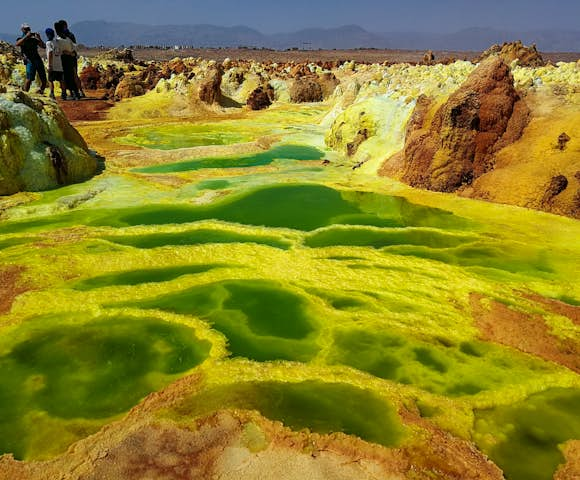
[61,56]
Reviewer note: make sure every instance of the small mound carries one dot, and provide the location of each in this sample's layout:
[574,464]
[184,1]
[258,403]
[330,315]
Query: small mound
[40,150]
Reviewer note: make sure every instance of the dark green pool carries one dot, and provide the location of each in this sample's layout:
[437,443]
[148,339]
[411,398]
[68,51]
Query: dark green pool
[282,152]
[90,370]
[261,319]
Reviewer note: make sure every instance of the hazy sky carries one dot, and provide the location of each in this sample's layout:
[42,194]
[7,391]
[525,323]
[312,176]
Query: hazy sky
[278,16]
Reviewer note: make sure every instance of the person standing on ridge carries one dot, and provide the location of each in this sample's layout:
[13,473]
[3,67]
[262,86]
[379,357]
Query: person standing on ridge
[29,43]
[68,53]
[71,35]
[53,55]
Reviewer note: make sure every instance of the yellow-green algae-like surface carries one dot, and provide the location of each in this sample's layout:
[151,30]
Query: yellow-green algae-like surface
[319,298]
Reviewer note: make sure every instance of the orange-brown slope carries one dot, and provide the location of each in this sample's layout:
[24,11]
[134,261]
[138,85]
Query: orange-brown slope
[485,114]
[10,286]
[527,333]
[491,142]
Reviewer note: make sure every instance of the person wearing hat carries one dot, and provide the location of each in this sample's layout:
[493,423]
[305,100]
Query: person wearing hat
[29,43]
[53,55]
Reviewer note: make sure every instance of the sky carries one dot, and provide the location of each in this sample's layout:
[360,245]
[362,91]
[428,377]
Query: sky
[272,16]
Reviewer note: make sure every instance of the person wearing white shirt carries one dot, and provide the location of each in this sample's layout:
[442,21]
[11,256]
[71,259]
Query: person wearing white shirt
[53,56]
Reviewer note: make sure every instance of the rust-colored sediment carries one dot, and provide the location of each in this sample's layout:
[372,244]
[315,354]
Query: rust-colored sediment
[219,447]
[441,452]
[243,445]
[94,107]
[527,333]
[555,306]
[10,286]
[571,469]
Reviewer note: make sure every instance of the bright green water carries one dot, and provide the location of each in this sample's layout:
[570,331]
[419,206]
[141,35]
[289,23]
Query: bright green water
[261,320]
[196,237]
[213,185]
[282,152]
[11,242]
[137,277]
[170,137]
[528,433]
[361,237]
[319,406]
[91,370]
[300,207]
[367,287]
[509,257]
[451,370]
[569,300]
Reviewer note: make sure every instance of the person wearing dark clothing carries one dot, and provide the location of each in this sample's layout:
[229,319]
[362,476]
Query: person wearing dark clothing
[72,37]
[68,54]
[29,43]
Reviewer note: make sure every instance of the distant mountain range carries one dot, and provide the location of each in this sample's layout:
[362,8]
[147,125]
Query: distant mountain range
[112,34]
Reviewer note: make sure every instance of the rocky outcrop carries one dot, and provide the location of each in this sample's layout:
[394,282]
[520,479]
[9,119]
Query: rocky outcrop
[429,58]
[557,185]
[328,82]
[361,136]
[458,145]
[130,86]
[512,51]
[118,55]
[124,82]
[91,77]
[563,140]
[39,149]
[261,98]
[97,77]
[306,90]
[210,88]
[9,57]
[8,49]
[228,84]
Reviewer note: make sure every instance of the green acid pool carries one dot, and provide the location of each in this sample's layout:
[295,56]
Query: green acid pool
[319,297]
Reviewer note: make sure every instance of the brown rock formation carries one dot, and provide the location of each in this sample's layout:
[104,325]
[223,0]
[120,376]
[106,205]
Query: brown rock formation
[484,115]
[300,70]
[209,90]
[571,469]
[90,77]
[306,90]
[563,140]
[361,136]
[177,66]
[95,77]
[508,52]
[260,98]
[429,57]
[152,74]
[557,185]
[117,54]
[130,86]
[328,82]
